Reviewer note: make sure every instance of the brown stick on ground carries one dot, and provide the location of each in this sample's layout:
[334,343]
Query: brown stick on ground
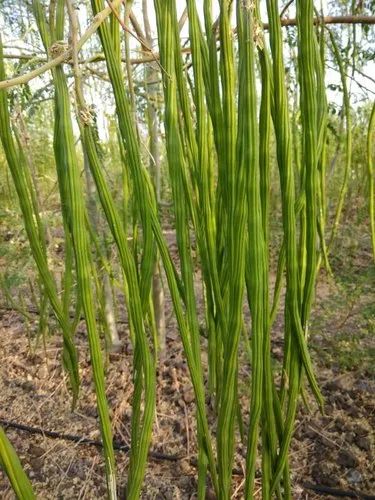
[117,445]
[325,490]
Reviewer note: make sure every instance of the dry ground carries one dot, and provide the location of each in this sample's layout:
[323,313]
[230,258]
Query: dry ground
[334,450]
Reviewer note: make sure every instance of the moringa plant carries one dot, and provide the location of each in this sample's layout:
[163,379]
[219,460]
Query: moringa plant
[222,107]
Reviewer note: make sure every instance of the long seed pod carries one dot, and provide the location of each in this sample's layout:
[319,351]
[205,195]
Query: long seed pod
[370,174]
[70,357]
[269,430]
[309,116]
[249,161]
[294,324]
[283,146]
[145,195]
[233,268]
[77,226]
[348,141]
[49,35]
[166,16]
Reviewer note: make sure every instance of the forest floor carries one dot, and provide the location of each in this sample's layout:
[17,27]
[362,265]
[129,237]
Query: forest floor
[335,450]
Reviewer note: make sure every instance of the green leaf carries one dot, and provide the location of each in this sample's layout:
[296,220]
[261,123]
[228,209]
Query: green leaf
[11,464]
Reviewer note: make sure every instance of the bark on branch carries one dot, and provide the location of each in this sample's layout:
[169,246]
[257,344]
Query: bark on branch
[117,445]
[360,19]
[98,19]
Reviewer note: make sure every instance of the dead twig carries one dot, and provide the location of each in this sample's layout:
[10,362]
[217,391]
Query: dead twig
[335,492]
[117,445]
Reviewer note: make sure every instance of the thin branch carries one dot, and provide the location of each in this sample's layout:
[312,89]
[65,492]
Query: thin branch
[146,22]
[183,19]
[74,31]
[25,57]
[117,445]
[98,19]
[286,7]
[364,74]
[32,50]
[337,492]
[353,79]
[142,41]
[138,29]
[125,28]
[362,19]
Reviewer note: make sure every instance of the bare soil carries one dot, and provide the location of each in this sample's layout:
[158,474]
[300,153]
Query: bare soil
[334,450]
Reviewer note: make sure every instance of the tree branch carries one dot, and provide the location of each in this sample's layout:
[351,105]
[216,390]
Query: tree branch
[361,19]
[98,19]
[331,20]
[117,445]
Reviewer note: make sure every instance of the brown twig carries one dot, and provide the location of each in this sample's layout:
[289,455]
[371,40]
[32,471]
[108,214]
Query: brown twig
[141,40]
[30,310]
[335,492]
[286,7]
[117,445]
[360,19]
[98,19]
